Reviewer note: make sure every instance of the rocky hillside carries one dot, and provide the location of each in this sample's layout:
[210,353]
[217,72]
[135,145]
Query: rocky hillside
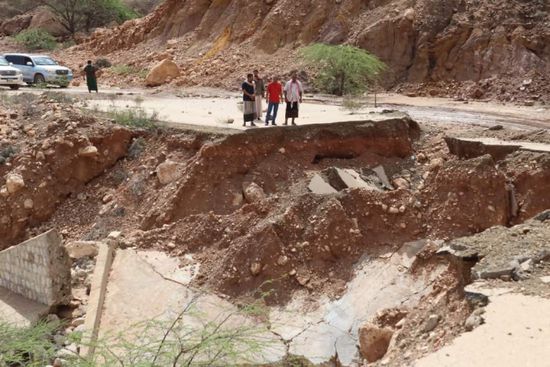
[423,41]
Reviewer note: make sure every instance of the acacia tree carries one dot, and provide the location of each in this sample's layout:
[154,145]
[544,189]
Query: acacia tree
[78,15]
[343,69]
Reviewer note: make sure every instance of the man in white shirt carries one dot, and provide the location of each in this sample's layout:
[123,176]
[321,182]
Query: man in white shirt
[293,97]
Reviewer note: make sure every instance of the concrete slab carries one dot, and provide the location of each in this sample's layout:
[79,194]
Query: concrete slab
[381,173]
[96,300]
[18,310]
[332,328]
[498,149]
[499,342]
[319,186]
[169,267]
[137,292]
[346,178]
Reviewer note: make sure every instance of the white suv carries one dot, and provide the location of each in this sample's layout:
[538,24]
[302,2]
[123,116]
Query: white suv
[10,76]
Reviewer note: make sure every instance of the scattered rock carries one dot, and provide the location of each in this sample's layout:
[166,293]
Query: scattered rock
[421,157]
[167,172]
[80,249]
[89,151]
[393,210]
[255,268]
[28,204]
[78,321]
[473,321]
[401,183]
[254,193]
[107,198]
[14,182]
[430,323]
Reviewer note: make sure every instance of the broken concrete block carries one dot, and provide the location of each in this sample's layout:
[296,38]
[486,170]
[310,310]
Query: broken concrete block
[342,179]
[38,269]
[319,186]
[498,149]
[80,249]
[381,173]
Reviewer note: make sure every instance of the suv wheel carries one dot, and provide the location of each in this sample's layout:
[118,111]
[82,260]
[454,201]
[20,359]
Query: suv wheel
[39,79]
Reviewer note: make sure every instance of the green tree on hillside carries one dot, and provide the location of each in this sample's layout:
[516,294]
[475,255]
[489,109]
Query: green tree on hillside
[343,69]
[84,15]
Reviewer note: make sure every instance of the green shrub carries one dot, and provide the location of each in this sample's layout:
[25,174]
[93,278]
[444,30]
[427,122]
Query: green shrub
[119,11]
[343,69]
[126,70]
[352,104]
[36,39]
[31,347]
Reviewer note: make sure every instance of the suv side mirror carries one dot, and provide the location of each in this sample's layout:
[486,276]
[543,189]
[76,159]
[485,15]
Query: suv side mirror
[29,63]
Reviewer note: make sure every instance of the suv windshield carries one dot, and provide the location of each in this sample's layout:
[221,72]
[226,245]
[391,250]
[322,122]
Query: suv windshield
[44,61]
[4,62]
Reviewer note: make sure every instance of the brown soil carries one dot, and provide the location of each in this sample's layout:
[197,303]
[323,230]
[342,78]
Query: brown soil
[239,203]
[284,236]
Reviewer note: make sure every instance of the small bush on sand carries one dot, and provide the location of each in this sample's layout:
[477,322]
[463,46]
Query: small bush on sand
[135,117]
[127,70]
[352,104]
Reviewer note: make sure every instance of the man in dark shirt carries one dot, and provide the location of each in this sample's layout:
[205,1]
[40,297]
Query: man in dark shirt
[249,98]
[90,73]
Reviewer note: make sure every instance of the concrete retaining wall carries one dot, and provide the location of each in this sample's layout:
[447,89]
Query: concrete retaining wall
[38,269]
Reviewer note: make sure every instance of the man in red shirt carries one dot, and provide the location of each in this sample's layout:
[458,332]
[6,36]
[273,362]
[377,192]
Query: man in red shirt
[274,98]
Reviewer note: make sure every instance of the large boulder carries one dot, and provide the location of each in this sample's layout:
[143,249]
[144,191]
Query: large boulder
[80,249]
[374,341]
[162,72]
[15,25]
[46,20]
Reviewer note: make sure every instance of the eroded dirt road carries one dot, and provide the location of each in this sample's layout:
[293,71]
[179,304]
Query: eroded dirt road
[216,107]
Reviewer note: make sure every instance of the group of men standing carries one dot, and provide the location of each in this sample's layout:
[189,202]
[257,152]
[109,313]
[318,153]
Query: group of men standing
[255,90]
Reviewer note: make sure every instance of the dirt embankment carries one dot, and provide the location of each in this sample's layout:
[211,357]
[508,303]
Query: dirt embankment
[283,211]
[47,154]
[242,203]
[481,49]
